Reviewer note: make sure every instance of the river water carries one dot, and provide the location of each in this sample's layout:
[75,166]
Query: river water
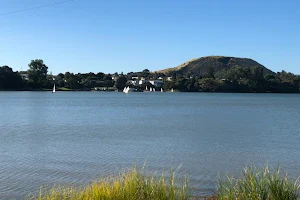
[74,137]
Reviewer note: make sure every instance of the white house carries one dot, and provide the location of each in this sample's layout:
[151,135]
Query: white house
[135,83]
[24,75]
[141,82]
[156,83]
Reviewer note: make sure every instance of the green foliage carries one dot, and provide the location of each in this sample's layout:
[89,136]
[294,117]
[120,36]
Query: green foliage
[130,185]
[269,77]
[10,79]
[72,81]
[208,74]
[37,73]
[259,184]
[121,82]
[209,85]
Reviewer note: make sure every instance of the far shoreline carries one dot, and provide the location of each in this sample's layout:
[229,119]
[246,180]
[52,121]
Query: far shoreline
[85,90]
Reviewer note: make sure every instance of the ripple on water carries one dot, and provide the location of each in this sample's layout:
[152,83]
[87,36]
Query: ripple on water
[76,137]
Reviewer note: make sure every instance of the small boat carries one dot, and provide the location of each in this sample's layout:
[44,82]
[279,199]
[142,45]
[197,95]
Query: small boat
[172,90]
[151,89]
[53,91]
[161,90]
[127,90]
[146,88]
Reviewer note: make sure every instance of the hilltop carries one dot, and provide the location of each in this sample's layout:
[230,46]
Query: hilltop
[202,66]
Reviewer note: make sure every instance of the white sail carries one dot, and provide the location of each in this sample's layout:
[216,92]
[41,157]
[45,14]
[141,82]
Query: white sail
[146,88]
[172,90]
[162,90]
[53,91]
[124,89]
[151,89]
[127,90]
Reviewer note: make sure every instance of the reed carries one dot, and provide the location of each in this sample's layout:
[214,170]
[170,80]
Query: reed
[255,183]
[130,185]
[259,184]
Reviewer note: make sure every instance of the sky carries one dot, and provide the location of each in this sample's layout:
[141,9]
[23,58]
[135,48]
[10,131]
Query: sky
[123,36]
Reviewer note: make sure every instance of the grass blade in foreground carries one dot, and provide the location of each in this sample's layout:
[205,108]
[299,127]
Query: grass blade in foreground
[259,184]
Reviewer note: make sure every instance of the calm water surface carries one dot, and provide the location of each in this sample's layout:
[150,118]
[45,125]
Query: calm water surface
[74,137]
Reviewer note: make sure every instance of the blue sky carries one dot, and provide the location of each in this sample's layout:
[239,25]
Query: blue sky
[123,36]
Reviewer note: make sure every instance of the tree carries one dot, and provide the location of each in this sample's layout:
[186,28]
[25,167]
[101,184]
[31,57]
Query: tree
[67,75]
[209,84]
[257,73]
[10,79]
[37,73]
[100,75]
[60,76]
[121,82]
[269,77]
[72,82]
[145,73]
[107,77]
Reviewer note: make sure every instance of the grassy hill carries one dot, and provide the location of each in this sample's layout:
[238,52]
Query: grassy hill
[201,66]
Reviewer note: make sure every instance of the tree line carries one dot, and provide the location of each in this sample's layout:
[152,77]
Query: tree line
[238,79]
[235,79]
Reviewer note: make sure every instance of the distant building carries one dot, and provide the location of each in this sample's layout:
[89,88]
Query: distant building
[134,78]
[135,82]
[157,83]
[24,75]
[141,82]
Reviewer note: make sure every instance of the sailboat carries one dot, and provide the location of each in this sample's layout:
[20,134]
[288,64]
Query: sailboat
[53,91]
[146,88]
[172,90]
[151,89]
[127,90]
[161,90]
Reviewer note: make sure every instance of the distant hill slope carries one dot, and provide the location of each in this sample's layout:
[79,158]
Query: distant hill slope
[201,66]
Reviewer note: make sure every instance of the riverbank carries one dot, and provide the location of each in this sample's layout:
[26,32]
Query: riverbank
[115,90]
[255,184]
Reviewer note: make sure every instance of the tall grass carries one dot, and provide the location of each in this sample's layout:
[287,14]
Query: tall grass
[130,185]
[259,184]
[254,184]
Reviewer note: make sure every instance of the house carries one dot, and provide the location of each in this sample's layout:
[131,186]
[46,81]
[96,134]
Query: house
[135,82]
[24,75]
[141,82]
[157,83]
